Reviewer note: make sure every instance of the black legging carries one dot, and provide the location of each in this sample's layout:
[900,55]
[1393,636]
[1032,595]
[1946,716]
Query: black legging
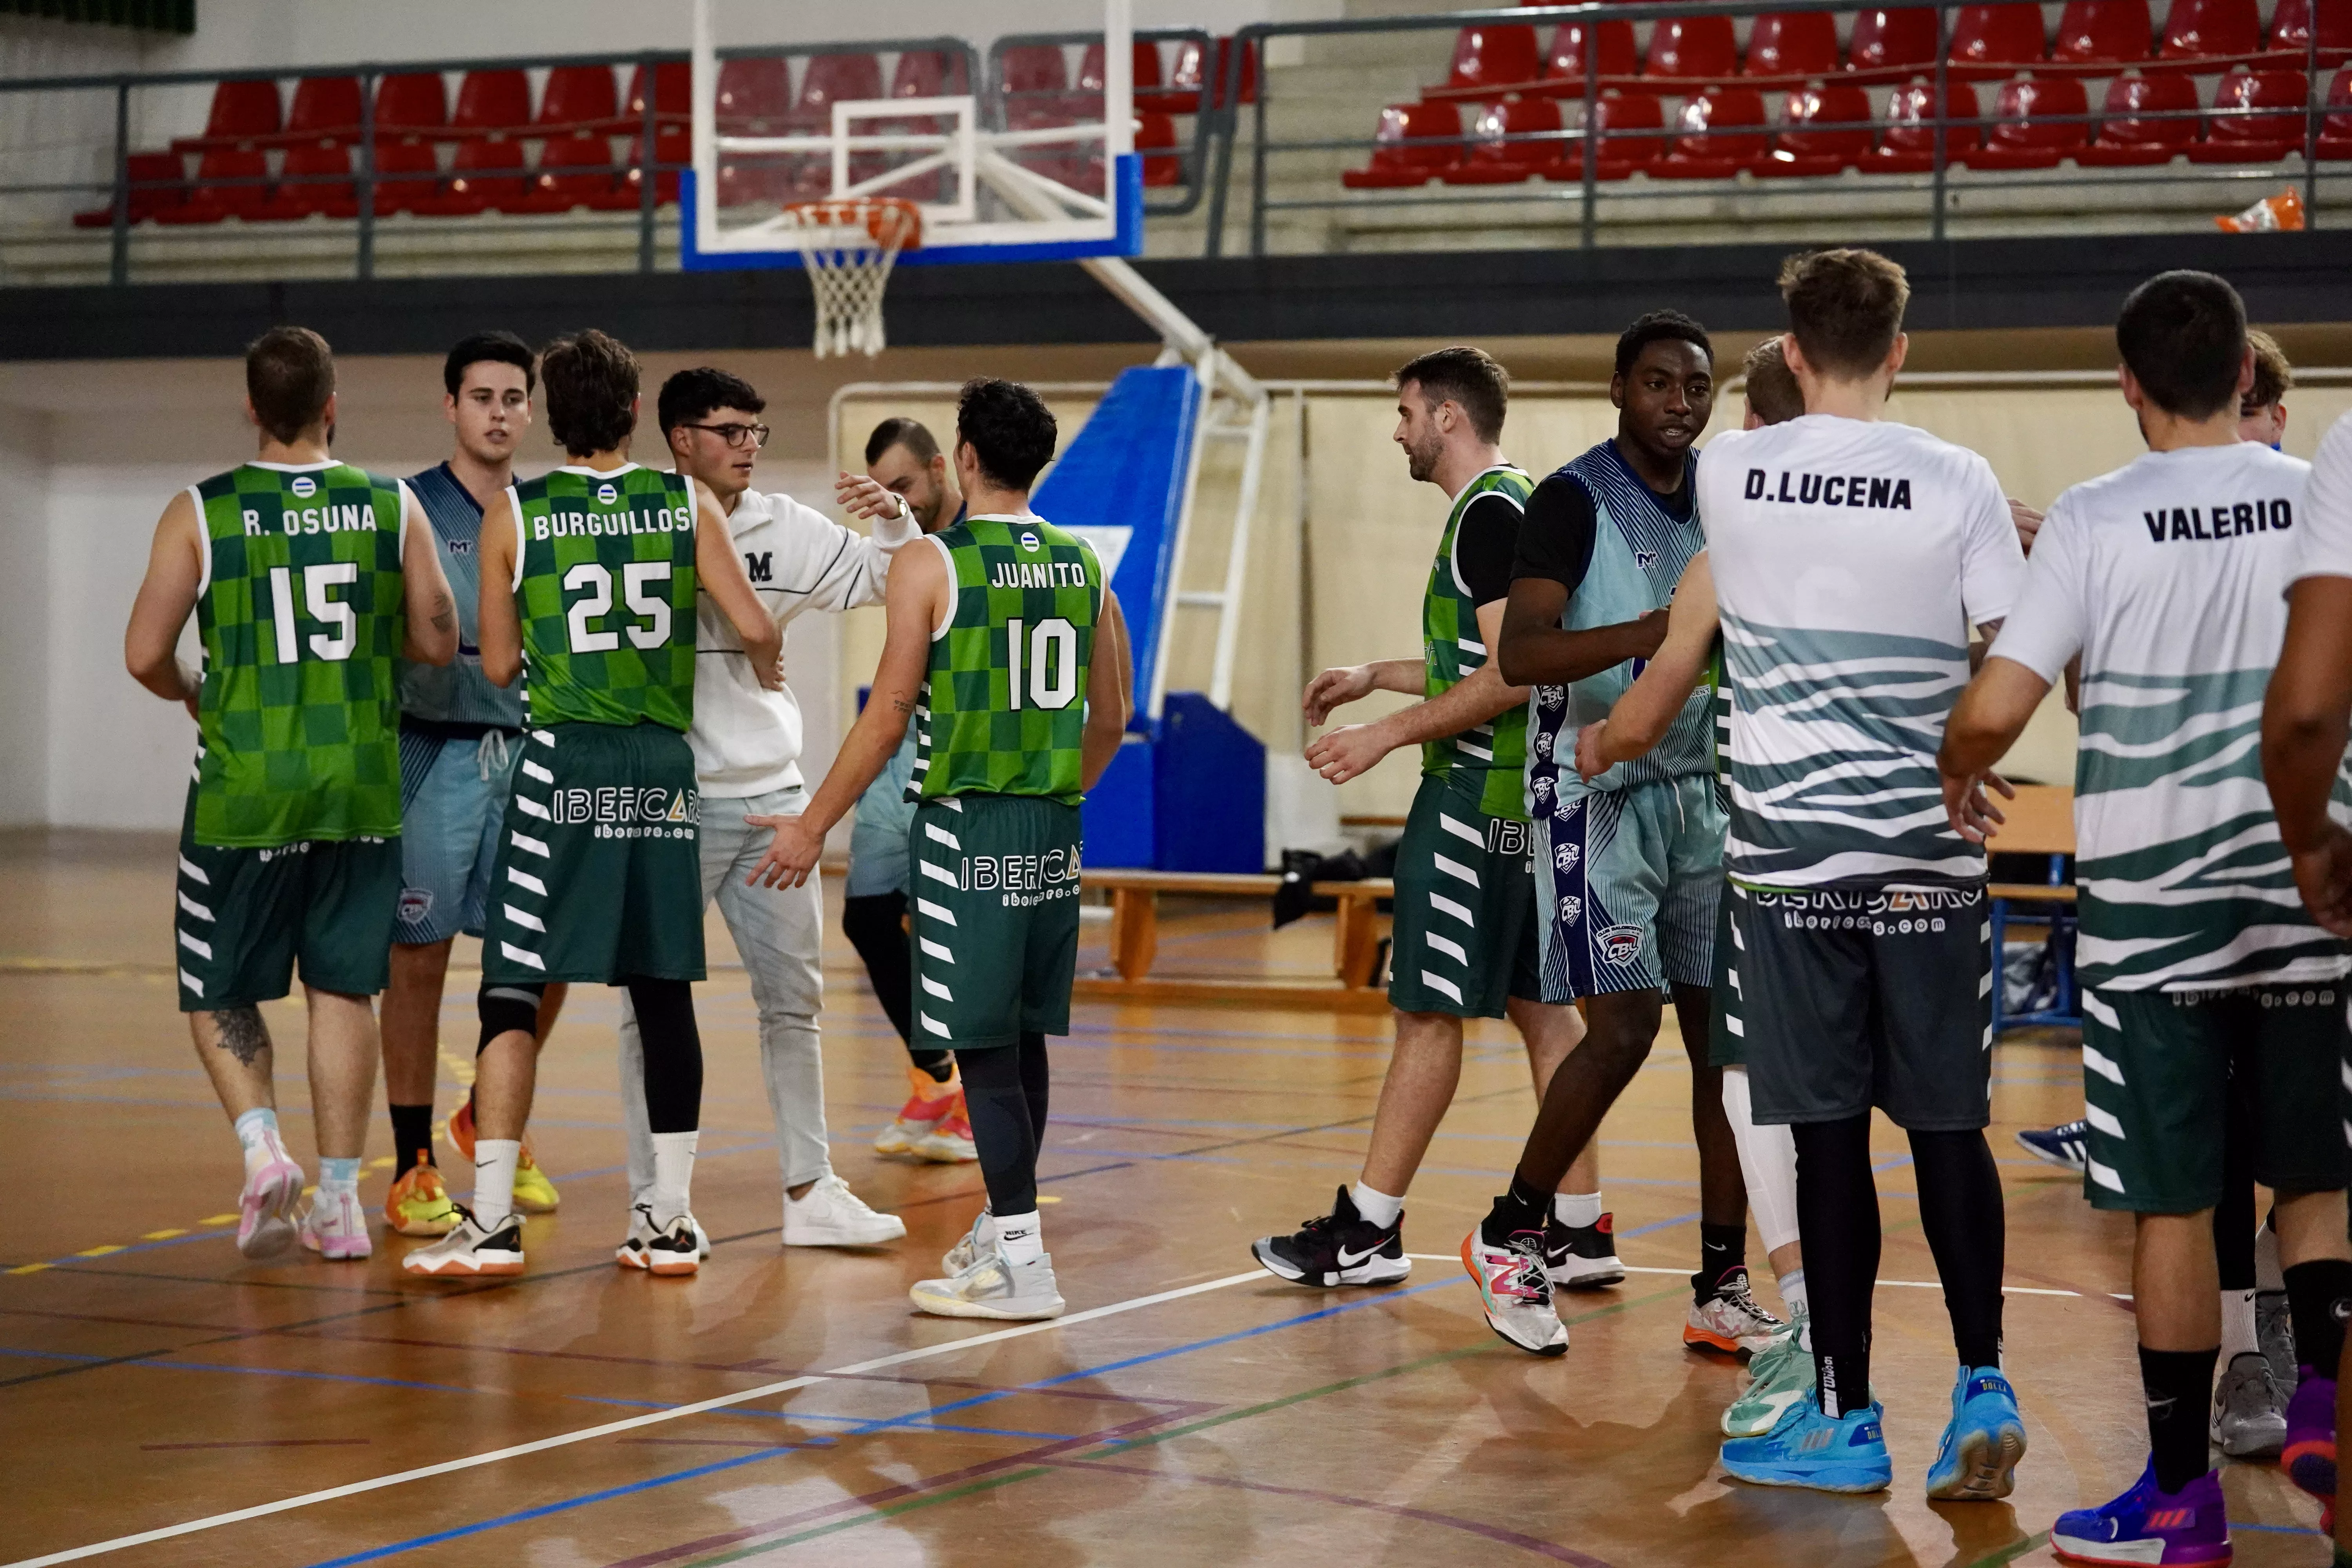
[1006,1094]
[875,925]
[673,1052]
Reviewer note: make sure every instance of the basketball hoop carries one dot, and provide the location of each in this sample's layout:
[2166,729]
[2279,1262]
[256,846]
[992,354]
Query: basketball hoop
[849,245]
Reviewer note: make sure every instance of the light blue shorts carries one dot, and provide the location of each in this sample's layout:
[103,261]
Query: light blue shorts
[1627,882]
[453,796]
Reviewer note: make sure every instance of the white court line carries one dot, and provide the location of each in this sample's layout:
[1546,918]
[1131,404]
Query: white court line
[630,1424]
[1907,1284]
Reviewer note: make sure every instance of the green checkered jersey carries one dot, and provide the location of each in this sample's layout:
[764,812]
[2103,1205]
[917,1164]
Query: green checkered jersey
[300,610]
[605,584]
[1004,706]
[1490,757]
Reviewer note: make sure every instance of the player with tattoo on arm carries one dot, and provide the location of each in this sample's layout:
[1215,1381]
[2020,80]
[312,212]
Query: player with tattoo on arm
[308,577]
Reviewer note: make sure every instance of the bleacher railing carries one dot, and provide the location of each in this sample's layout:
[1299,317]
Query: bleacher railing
[1197,101]
[1583,146]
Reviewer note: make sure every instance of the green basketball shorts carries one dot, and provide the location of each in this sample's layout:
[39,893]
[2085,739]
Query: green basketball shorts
[599,875]
[1726,1031]
[996,919]
[2161,1068]
[245,918]
[1464,939]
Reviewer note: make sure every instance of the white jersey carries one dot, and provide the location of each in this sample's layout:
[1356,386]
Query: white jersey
[2326,516]
[2167,577]
[1850,557]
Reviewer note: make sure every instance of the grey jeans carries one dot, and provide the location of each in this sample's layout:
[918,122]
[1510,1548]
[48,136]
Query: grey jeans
[779,932]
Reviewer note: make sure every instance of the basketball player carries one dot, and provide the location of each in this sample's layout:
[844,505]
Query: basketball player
[1005,644]
[747,742]
[2178,615]
[1629,863]
[589,573]
[2304,728]
[1464,946]
[460,737]
[1692,659]
[906,473]
[308,578]
[1850,553]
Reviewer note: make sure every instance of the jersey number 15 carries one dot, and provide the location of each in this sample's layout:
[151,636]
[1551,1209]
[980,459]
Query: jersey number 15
[319,583]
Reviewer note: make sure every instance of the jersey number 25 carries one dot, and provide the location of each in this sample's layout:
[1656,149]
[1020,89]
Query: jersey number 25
[592,581]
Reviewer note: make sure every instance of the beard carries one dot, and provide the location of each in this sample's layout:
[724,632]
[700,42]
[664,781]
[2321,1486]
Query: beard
[1421,460]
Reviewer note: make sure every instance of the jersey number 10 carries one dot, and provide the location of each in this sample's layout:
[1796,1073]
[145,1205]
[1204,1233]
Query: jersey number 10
[594,583]
[1053,646]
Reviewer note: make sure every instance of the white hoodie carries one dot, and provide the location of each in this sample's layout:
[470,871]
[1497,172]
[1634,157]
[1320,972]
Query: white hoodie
[746,739]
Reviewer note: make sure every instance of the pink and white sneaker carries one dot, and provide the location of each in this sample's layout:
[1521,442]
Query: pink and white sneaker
[1515,1292]
[336,1228]
[265,1223]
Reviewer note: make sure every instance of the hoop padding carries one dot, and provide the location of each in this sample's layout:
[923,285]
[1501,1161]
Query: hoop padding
[849,245]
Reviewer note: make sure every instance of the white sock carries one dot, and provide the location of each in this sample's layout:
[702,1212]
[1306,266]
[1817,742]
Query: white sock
[495,1161]
[257,1131]
[1575,1210]
[2238,1325]
[2266,1260]
[1020,1236]
[1793,1290]
[673,1175]
[338,1176]
[1378,1208]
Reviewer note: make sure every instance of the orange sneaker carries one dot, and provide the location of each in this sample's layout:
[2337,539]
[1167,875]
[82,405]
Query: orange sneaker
[948,1142]
[533,1192]
[418,1204]
[928,1103]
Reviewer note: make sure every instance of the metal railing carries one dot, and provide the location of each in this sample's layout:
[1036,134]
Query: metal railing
[1942,72]
[1207,115]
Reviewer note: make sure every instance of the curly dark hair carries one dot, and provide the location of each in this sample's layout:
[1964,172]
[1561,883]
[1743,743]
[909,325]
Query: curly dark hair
[592,391]
[1011,431]
[1660,326]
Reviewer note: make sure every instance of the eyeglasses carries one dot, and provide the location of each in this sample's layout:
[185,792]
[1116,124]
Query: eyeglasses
[738,434]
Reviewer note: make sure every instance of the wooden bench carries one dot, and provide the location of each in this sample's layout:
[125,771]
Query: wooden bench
[1135,942]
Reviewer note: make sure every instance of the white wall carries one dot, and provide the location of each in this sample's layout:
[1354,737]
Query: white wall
[24,648]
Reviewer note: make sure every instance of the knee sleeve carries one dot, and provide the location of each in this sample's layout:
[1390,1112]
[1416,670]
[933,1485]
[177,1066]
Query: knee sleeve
[508,1009]
[673,1053]
[1768,1159]
[1002,1131]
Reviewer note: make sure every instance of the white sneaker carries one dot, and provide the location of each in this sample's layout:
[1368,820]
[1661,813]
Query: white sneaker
[1516,1292]
[265,1209]
[976,1244]
[638,1248]
[336,1228]
[993,1287]
[830,1214]
[1730,1320]
[471,1250]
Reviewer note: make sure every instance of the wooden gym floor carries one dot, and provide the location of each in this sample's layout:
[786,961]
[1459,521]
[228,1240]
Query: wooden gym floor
[1189,1410]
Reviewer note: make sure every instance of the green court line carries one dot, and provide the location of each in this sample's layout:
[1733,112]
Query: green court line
[2012,1553]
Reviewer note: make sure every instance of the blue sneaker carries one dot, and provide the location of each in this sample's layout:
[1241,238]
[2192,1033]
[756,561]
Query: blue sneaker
[1806,1448]
[2061,1145]
[1977,1459]
[2189,1529]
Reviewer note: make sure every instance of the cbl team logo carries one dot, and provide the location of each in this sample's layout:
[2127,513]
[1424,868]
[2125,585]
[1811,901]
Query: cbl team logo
[1549,698]
[304,486]
[1572,908]
[1543,744]
[1564,856]
[415,903]
[1619,944]
[607,494]
[1568,807]
[1543,789]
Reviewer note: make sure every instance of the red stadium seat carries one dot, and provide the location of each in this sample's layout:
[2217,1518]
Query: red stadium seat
[1143,72]
[407,177]
[1887,38]
[1415,143]
[1908,147]
[925,73]
[835,78]
[2127,140]
[492,101]
[2291,26]
[1495,161]
[242,111]
[1494,56]
[574,172]
[1997,36]
[485,175]
[325,106]
[2335,130]
[753,93]
[2245,138]
[1693,48]
[673,146]
[1156,144]
[1722,133]
[411,100]
[1828,130]
[577,97]
[2104,32]
[2211,29]
[1196,71]
[231,182]
[1026,68]
[1565,59]
[1794,43]
[673,92]
[2023,136]
[1627,130]
[1247,90]
[157,182]
[327,189]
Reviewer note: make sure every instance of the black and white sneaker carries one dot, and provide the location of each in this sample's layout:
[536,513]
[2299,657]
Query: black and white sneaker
[1342,1248]
[1582,1256]
[677,1250]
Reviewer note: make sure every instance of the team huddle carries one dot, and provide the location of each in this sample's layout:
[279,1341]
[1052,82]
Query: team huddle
[1721,731]
[1715,732]
[369,785]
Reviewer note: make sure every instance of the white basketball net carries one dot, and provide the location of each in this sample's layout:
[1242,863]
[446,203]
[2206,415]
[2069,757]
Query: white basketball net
[849,246]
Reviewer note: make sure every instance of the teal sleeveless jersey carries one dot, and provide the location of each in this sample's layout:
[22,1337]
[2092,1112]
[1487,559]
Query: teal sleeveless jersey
[1004,704]
[1487,760]
[301,615]
[605,584]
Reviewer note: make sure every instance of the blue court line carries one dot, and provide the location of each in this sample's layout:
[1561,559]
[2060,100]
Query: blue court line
[525,1516]
[1661,1225]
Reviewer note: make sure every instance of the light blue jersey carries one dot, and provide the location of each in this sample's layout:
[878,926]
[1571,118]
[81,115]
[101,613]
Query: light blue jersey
[457,692]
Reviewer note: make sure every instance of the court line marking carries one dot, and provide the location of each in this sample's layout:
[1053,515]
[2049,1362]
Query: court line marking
[1906,1284]
[564,1439]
